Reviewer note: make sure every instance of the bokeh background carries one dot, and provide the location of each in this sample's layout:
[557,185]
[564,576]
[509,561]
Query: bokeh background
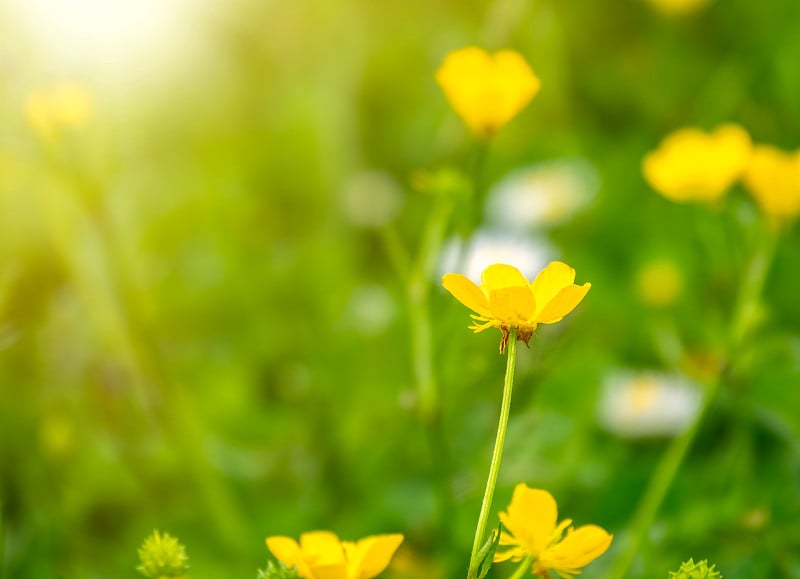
[205,329]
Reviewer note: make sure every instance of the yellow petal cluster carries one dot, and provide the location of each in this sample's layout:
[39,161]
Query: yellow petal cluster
[487,90]
[62,106]
[506,300]
[773,178]
[532,530]
[321,555]
[691,165]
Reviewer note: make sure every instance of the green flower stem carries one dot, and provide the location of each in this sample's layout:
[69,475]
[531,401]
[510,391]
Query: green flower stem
[397,254]
[418,291]
[523,568]
[743,317]
[477,172]
[2,543]
[502,427]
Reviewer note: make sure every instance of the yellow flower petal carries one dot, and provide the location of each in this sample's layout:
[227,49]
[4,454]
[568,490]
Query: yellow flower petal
[499,276]
[773,179]
[288,552]
[551,280]
[514,305]
[577,549]
[531,518]
[322,546]
[465,291]
[515,554]
[487,90]
[372,555]
[563,303]
[330,571]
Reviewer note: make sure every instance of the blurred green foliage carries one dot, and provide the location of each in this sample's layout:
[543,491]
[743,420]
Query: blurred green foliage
[183,338]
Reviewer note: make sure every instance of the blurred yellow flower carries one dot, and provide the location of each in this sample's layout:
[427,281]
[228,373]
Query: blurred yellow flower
[675,7]
[773,178]
[532,532]
[506,300]
[659,283]
[487,90]
[691,165]
[321,555]
[61,106]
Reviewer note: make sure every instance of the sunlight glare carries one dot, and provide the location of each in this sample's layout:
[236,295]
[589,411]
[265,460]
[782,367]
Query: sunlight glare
[101,35]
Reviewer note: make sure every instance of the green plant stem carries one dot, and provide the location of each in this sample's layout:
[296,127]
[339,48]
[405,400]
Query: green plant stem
[2,542]
[744,315]
[497,454]
[418,291]
[477,173]
[523,568]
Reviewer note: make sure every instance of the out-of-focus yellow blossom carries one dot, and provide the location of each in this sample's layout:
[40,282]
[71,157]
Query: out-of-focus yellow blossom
[321,555]
[691,165]
[506,300]
[532,530]
[56,434]
[54,109]
[676,7]
[487,90]
[773,178]
[659,283]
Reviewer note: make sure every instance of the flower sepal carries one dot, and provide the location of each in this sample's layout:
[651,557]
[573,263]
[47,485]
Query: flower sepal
[279,571]
[483,562]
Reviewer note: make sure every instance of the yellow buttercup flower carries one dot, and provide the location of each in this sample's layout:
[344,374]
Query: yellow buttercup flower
[773,178]
[532,531]
[487,90]
[321,555]
[691,165]
[62,106]
[506,300]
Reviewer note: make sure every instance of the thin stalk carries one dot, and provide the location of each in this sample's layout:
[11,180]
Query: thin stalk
[523,568]
[494,468]
[418,290]
[477,173]
[2,544]
[661,481]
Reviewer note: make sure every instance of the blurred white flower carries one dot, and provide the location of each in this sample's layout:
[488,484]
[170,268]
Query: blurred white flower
[371,199]
[470,257]
[371,310]
[647,404]
[546,193]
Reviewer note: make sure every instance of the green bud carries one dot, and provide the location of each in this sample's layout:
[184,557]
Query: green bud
[162,557]
[279,571]
[692,570]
